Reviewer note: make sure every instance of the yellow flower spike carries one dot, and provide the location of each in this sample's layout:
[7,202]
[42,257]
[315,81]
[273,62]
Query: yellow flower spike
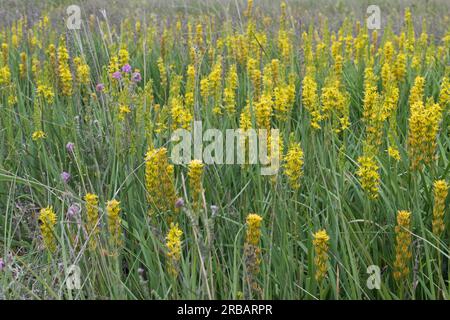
[173,244]
[123,111]
[263,111]
[230,90]
[403,242]
[114,221]
[124,57]
[424,121]
[113,65]
[82,72]
[195,173]
[310,100]
[92,213]
[444,94]
[65,76]
[321,243]
[37,135]
[369,176]
[253,229]
[47,221]
[393,153]
[417,91]
[5,76]
[252,250]
[159,180]
[293,165]
[440,195]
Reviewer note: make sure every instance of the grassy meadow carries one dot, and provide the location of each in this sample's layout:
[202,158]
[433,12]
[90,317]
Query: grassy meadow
[359,208]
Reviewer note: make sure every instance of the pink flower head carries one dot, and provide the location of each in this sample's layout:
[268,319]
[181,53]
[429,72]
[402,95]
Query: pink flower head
[65,176]
[69,147]
[126,68]
[99,87]
[2,264]
[117,75]
[136,77]
[73,210]
[179,203]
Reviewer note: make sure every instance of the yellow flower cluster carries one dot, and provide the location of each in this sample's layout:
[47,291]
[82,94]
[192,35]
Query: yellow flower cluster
[190,88]
[403,242]
[5,76]
[23,65]
[372,114]
[417,91]
[47,222]
[82,71]
[230,90]
[180,113]
[124,57]
[335,102]
[65,76]
[263,111]
[173,244]
[113,65]
[284,96]
[440,195]
[45,92]
[159,178]
[252,250]
[195,174]
[92,226]
[369,176]
[310,100]
[293,165]
[424,124]
[444,94]
[37,135]
[253,229]
[320,243]
[114,221]
[123,111]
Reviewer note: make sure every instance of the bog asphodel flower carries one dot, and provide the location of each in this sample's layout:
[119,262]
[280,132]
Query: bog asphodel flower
[123,111]
[440,195]
[403,242]
[92,226]
[124,57]
[45,91]
[159,179]
[444,94]
[293,165]
[195,173]
[5,76]
[82,71]
[369,176]
[417,91]
[65,76]
[424,124]
[181,114]
[252,250]
[47,222]
[229,94]
[284,100]
[310,100]
[37,135]
[173,244]
[320,243]
[114,221]
[263,111]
